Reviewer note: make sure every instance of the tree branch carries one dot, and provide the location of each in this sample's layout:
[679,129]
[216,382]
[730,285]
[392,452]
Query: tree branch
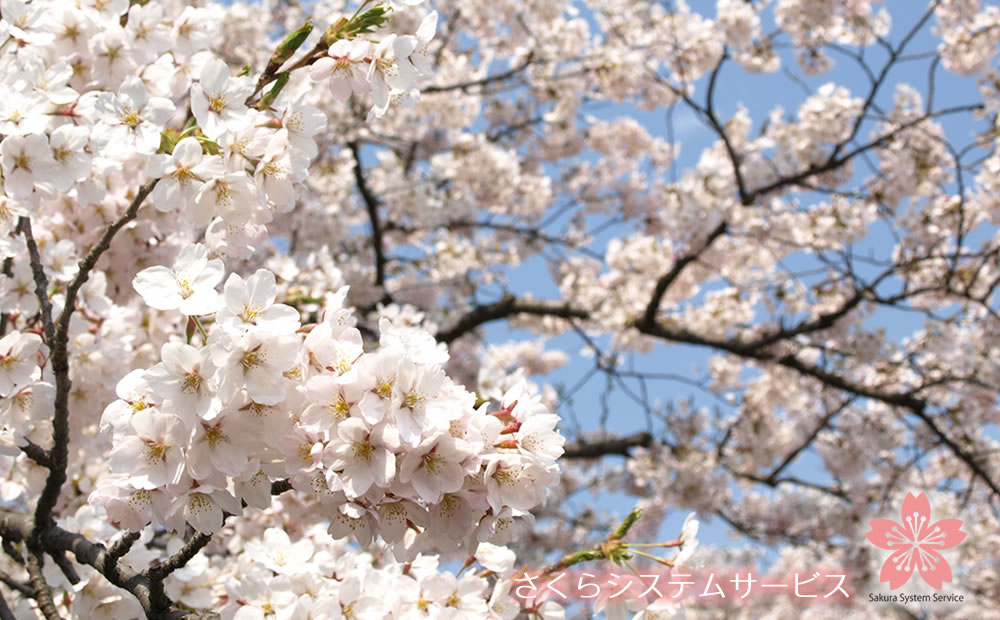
[8,270]
[5,611]
[41,589]
[21,588]
[156,574]
[499,77]
[20,527]
[371,205]
[117,550]
[621,446]
[508,307]
[668,278]
[41,281]
[834,162]
[35,452]
[59,359]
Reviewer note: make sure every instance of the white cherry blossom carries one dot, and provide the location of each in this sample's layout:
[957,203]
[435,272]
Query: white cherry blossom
[182,174]
[189,286]
[27,162]
[18,363]
[131,120]
[217,99]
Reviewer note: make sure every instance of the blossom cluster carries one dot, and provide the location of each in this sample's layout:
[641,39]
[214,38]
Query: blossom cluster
[263,572]
[184,191]
[383,438]
[95,91]
[25,398]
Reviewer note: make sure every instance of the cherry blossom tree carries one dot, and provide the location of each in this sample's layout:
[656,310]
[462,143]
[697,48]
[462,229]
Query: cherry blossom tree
[266,345]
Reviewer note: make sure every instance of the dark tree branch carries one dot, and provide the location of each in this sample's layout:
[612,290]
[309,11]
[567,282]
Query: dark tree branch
[734,158]
[8,270]
[24,589]
[35,452]
[507,307]
[41,281]
[182,557]
[668,278]
[5,611]
[117,550]
[621,446]
[510,306]
[280,486]
[156,574]
[20,527]
[371,205]
[791,456]
[41,589]
[904,400]
[834,162]
[67,568]
[146,587]
[499,77]
[59,359]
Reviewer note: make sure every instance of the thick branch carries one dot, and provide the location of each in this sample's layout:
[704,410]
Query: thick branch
[510,306]
[59,359]
[507,307]
[371,205]
[621,446]
[41,589]
[15,526]
[5,611]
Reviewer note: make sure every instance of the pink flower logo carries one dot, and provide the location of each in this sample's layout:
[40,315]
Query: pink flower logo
[915,542]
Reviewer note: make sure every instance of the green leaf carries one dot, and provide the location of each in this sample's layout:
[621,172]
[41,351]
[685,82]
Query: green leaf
[288,47]
[168,140]
[271,95]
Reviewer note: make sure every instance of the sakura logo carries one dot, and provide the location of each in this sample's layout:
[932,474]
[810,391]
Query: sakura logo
[915,543]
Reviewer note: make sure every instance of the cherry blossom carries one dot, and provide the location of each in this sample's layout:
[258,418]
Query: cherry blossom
[189,286]
[26,161]
[131,120]
[217,99]
[914,542]
[182,174]
[344,68]
[489,271]
[18,365]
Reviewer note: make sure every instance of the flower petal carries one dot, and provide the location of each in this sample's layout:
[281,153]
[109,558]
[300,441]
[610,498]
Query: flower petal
[881,533]
[893,573]
[934,569]
[916,504]
[951,534]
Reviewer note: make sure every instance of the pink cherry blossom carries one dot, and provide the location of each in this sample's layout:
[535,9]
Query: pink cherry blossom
[915,542]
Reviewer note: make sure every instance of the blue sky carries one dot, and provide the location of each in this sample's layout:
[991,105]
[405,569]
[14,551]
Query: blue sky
[760,94]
